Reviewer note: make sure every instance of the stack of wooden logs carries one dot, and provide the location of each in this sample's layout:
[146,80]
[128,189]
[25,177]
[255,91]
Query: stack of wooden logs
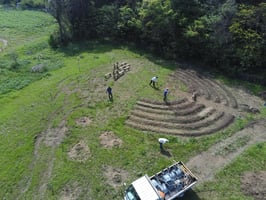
[118,70]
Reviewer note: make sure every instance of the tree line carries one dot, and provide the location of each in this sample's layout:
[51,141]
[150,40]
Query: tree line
[229,35]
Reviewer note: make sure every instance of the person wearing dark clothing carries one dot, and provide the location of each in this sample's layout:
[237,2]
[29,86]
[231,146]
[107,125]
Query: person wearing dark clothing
[110,94]
[165,93]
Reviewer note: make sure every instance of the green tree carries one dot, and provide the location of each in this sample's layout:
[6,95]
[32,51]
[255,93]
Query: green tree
[248,36]
[81,15]
[212,37]
[57,9]
[157,26]
[128,25]
[107,21]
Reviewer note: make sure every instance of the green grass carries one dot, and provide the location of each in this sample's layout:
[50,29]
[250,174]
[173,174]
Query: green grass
[27,33]
[17,32]
[73,86]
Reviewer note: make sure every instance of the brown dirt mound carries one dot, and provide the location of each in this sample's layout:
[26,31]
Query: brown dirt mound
[80,152]
[70,192]
[108,140]
[83,121]
[115,177]
[254,184]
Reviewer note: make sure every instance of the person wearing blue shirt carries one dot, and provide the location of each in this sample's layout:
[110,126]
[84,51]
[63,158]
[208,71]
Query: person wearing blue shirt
[165,93]
[110,94]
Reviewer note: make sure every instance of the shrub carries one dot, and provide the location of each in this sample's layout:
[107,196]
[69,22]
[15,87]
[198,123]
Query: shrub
[54,40]
[14,57]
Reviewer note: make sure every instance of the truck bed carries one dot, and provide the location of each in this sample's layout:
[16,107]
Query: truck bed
[173,181]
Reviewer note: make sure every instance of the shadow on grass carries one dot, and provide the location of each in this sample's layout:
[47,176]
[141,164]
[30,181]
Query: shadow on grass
[97,46]
[102,46]
[165,152]
[155,88]
[76,48]
[190,195]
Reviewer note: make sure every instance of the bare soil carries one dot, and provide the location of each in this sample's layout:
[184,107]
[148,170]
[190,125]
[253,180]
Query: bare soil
[83,121]
[254,184]
[108,140]
[115,177]
[80,152]
[70,192]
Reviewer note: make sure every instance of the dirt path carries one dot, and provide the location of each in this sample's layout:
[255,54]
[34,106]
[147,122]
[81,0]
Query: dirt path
[207,163]
[51,137]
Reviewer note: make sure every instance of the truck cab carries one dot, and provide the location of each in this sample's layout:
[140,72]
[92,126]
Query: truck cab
[141,189]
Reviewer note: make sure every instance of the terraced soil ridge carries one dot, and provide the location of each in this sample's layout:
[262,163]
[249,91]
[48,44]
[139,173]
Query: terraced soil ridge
[181,117]
[205,86]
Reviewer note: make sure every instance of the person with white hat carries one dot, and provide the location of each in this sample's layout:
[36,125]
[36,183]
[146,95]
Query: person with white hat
[162,141]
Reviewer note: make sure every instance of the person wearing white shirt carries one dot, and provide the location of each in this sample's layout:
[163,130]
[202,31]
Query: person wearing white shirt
[162,141]
[153,81]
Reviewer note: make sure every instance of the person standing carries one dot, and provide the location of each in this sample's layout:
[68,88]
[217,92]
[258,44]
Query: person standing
[153,81]
[165,94]
[194,96]
[110,94]
[162,141]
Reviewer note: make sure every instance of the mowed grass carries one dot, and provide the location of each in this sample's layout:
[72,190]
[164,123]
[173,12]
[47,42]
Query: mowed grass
[73,87]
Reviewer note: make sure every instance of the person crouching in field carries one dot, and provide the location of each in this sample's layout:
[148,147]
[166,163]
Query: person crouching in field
[153,81]
[162,141]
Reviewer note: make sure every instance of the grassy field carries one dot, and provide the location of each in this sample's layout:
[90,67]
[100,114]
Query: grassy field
[71,87]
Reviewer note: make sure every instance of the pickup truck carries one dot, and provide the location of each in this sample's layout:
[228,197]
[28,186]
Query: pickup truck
[168,184]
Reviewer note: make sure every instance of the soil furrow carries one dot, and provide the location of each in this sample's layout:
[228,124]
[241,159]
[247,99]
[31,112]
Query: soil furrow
[207,163]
